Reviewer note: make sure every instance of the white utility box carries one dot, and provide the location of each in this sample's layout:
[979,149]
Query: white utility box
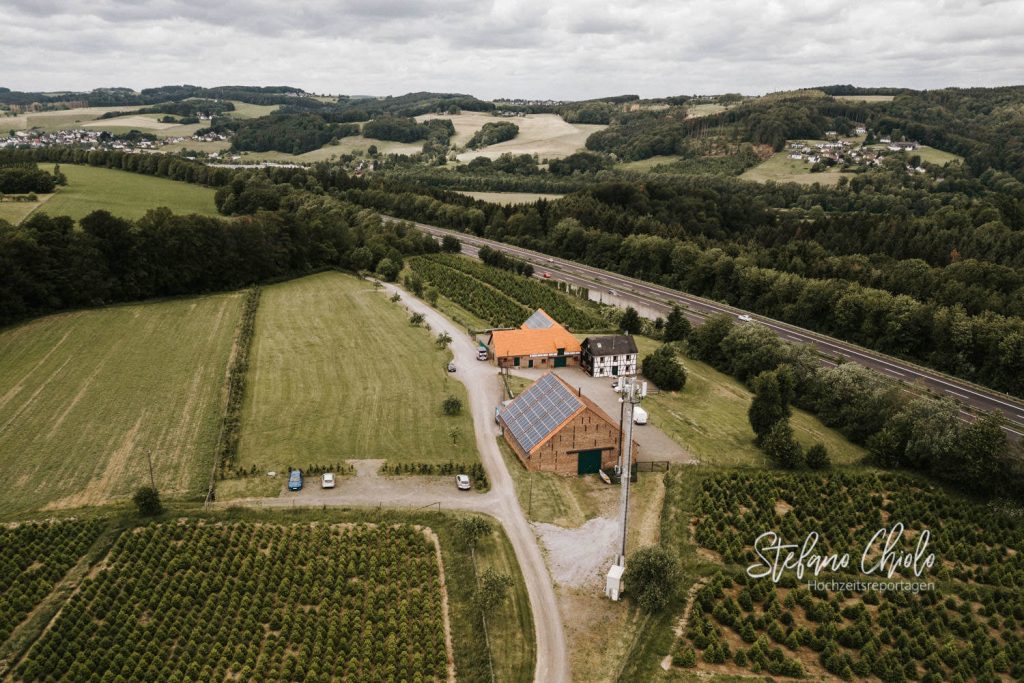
[613,587]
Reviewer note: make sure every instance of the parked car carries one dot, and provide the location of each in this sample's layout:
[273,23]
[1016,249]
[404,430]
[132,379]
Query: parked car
[639,416]
[327,480]
[451,367]
[295,481]
[462,481]
[744,318]
[481,353]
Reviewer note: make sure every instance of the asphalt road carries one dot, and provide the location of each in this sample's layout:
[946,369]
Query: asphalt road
[630,291]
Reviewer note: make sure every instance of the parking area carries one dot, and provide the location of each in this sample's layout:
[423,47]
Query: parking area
[654,443]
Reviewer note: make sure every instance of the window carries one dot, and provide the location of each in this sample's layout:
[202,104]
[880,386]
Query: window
[561,352]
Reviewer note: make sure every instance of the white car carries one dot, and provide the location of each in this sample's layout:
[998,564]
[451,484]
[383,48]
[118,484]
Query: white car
[327,480]
[744,318]
[462,481]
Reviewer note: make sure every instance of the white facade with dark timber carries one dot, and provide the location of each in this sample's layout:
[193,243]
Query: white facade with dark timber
[609,356]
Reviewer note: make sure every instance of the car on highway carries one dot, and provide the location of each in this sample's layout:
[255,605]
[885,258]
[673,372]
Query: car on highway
[295,480]
[327,480]
[462,481]
[612,291]
[545,274]
[744,318]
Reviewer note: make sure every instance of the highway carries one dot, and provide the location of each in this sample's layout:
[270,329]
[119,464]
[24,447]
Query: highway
[630,291]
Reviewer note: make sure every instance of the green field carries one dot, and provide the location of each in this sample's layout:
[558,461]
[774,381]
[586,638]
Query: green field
[337,372]
[782,169]
[709,419]
[511,197]
[125,194]
[86,394]
[15,212]
[244,110]
[935,156]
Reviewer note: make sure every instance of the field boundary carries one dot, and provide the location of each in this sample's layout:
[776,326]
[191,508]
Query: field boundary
[238,367]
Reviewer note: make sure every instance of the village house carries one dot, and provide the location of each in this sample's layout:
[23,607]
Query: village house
[609,356]
[540,342]
[553,427]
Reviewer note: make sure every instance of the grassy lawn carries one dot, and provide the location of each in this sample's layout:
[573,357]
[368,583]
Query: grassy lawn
[782,169]
[709,418]
[86,394]
[16,212]
[125,194]
[337,372]
[935,156]
[511,197]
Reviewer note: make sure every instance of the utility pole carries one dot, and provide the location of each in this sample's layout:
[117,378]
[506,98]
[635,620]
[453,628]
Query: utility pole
[630,393]
[149,459]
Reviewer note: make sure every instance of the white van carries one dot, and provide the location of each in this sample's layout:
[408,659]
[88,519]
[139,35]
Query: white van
[639,416]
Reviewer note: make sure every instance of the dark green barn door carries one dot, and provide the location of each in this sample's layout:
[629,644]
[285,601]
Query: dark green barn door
[559,361]
[589,462]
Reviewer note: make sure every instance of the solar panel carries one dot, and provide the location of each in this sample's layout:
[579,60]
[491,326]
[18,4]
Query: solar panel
[538,321]
[539,410]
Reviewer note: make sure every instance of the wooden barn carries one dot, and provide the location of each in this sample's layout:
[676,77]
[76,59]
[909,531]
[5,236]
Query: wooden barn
[553,427]
[540,342]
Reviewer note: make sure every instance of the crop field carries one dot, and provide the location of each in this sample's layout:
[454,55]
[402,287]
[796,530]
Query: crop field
[125,194]
[338,372]
[33,558]
[245,601]
[966,625]
[499,296]
[511,197]
[709,419]
[546,135]
[87,394]
[782,169]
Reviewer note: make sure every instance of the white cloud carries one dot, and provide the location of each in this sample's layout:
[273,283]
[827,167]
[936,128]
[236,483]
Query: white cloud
[535,48]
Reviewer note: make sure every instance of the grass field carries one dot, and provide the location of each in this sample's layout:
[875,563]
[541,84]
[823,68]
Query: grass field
[125,194]
[935,156]
[86,394]
[709,418]
[546,135]
[866,98]
[511,197]
[782,169]
[698,110]
[244,110]
[15,212]
[51,121]
[337,372]
[648,163]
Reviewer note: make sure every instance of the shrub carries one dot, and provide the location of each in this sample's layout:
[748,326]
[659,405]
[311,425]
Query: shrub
[817,457]
[452,405]
[147,501]
[664,369]
[652,577]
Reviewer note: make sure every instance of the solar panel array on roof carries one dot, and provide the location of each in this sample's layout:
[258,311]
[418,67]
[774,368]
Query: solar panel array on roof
[539,410]
[538,321]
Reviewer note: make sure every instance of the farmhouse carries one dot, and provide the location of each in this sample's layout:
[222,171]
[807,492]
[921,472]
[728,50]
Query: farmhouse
[609,356]
[555,428]
[540,342]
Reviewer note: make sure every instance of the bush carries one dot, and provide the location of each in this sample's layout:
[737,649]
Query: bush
[452,405]
[781,447]
[147,501]
[817,457]
[664,369]
[451,244]
[652,578]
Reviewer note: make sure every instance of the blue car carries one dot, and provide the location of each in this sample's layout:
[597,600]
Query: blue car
[295,481]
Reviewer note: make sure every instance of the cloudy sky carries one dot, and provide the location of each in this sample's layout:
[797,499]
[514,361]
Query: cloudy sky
[563,49]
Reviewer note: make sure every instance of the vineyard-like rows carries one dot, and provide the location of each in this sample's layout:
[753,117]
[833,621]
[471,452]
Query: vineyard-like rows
[33,558]
[526,291]
[479,299]
[970,626]
[253,602]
